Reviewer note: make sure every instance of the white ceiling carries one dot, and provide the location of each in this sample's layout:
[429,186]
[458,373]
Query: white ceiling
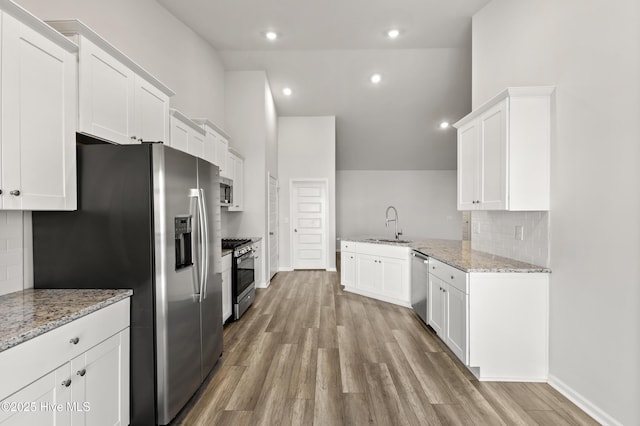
[328,50]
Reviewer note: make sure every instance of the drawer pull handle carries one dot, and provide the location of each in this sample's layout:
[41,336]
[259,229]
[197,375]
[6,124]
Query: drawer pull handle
[75,340]
[82,372]
[66,383]
[15,192]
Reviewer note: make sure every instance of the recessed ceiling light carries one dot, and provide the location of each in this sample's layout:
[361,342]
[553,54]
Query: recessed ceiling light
[444,125]
[287,91]
[375,79]
[271,35]
[393,33]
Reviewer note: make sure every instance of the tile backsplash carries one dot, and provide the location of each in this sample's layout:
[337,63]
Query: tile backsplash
[11,251]
[495,232]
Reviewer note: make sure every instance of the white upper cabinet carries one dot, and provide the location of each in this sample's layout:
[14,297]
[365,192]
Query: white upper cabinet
[235,165]
[118,100]
[186,135]
[38,118]
[504,152]
[216,145]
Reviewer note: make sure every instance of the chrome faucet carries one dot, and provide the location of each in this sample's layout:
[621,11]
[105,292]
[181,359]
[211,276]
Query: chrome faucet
[395,220]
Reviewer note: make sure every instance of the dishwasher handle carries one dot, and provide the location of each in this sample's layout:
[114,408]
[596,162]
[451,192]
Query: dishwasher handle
[419,255]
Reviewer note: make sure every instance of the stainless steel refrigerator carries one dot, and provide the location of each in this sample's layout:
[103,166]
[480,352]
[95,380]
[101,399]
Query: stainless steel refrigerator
[148,219]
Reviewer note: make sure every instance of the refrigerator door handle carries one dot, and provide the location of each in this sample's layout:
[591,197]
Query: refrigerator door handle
[201,236]
[195,193]
[205,245]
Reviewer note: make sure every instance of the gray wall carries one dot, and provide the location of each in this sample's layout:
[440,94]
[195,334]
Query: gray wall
[591,52]
[425,200]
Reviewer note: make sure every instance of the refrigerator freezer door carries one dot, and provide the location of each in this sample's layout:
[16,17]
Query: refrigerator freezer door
[211,306]
[177,291]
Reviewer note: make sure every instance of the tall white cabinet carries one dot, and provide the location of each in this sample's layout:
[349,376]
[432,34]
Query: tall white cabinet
[235,166]
[37,123]
[504,152]
[118,100]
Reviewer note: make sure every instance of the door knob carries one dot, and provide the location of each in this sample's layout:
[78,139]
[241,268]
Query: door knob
[295,230]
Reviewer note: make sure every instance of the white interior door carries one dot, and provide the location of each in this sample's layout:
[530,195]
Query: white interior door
[273,226]
[309,224]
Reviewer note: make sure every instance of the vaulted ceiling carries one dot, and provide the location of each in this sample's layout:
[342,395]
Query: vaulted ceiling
[326,53]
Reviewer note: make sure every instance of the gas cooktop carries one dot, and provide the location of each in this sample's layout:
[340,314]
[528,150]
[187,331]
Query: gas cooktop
[232,243]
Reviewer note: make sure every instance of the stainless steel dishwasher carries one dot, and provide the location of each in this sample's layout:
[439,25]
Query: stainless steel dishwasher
[420,284]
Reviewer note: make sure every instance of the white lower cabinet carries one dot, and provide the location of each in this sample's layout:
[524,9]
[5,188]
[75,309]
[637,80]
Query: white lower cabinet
[347,268]
[227,306]
[448,314]
[75,374]
[257,264]
[495,323]
[376,270]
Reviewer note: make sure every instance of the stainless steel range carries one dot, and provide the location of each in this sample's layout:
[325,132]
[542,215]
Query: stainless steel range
[243,285]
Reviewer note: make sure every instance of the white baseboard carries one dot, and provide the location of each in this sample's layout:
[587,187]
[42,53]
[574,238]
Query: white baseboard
[263,285]
[587,406]
[285,269]
[332,270]
[378,297]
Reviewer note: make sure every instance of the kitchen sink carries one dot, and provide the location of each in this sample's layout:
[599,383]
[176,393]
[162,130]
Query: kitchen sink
[384,240]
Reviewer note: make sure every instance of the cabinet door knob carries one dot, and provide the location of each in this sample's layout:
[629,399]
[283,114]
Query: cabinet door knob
[82,372]
[452,277]
[75,340]
[15,192]
[134,137]
[0,191]
[66,383]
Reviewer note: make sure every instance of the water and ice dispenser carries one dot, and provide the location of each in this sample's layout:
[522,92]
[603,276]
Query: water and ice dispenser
[183,241]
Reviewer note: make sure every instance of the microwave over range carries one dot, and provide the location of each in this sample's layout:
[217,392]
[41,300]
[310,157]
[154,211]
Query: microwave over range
[226,191]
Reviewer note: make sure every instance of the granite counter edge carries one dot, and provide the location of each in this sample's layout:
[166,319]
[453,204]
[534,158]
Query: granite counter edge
[37,331]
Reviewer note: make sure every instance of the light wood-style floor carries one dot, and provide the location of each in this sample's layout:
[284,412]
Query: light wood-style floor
[307,353]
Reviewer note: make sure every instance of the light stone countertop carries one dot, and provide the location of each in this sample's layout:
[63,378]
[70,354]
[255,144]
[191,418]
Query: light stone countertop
[226,252]
[459,254]
[29,313]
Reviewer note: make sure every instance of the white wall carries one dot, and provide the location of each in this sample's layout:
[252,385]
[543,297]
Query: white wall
[147,33]
[591,52]
[251,120]
[306,150]
[425,200]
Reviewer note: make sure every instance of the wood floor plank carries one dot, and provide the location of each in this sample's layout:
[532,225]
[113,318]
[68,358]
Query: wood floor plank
[343,313]
[565,408]
[452,415]
[298,412]
[526,399]
[270,405]
[247,392]
[432,383]
[412,396]
[328,408]
[217,395]
[383,397]
[356,410]
[548,418]
[508,410]
[350,359]
[466,395]
[366,338]
[302,383]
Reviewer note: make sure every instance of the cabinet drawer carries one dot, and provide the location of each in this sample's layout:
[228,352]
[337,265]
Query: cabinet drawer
[34,358]
[449,274]
[349,246]
[384,250]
